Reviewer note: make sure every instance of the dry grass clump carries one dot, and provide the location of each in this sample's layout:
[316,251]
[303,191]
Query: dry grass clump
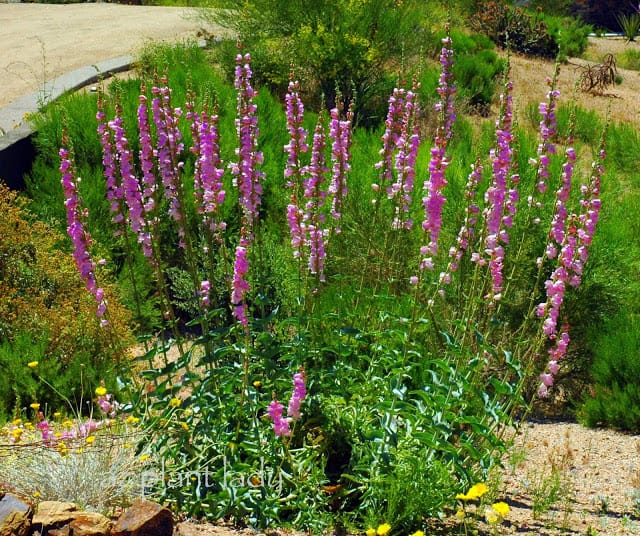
[100,477]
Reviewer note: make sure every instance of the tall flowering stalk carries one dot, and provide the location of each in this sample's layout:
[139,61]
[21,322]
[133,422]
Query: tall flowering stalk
[76,230]
[311,190]
[467,231]
[546,147]
[208,185]
[313,219]
[400,143]
[293,170]
[130,184]
[149,183]
[169,148]
[341,136]
[247,178]
[572,256]
[500,199]
[275,411]
[433,200]
[110,167]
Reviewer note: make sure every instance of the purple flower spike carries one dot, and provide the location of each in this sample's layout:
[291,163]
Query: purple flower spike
[434,200]
[80,237]
[280,424]
[298,395]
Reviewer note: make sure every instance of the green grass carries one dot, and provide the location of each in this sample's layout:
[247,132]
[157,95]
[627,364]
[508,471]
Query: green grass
[629,59]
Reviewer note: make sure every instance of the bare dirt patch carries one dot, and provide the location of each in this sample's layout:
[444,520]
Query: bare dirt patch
[623,100]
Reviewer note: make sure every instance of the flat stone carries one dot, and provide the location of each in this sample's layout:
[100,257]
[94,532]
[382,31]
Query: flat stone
[90,524]
[54,514]
[15,516]
[144,518]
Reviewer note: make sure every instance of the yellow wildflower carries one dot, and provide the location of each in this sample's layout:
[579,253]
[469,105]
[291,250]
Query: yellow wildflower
[184,425]
[491,516]
[370,532]
[29,426]
[460,515]
[90,439]
[67,423]
[57,414]
[383,529]
[101,391]
[175,402]
[35,406]
[36,494]
[16,422]
[501,508]
[144,457]
[475,492]
[32,364]
[418,533]
[257,384]
[132,420]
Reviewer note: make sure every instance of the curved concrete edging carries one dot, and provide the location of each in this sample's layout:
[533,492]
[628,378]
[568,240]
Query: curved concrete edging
[15,128]
[16,148]
[12,117]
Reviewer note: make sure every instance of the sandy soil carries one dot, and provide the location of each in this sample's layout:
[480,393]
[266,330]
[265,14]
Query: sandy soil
[42,41]
[623,100]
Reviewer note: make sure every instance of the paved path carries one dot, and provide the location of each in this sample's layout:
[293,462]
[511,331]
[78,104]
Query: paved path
[40,42]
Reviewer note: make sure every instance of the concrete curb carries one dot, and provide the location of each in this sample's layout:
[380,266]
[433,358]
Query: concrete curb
[13,124]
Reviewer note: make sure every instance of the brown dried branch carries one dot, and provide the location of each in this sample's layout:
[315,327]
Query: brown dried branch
[597,78]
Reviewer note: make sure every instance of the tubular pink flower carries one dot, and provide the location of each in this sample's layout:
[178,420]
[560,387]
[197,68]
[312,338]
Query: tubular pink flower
[247,176]
[548,130]
[298,395]
[239,285]
[400,143]
[80,237]
[341,134]
[149,185]
[168,152]
[500,200]
[433,200]
[109,163]
[280,424]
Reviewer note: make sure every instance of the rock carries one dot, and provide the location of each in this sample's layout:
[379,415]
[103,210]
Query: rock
[144,518]
[90,524]
[64,531]
[54,514]
[15,516]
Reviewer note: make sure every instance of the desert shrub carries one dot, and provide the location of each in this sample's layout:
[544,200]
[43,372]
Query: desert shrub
[614,399]
[629,59]
[477,75]
[630,25]
[354,48]
[515,29]
[571,35]
[47,316]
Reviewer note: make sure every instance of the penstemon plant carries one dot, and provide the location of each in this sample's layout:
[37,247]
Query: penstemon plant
[407,370]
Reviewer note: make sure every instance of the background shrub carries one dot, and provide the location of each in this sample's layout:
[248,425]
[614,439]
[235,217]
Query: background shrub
[46,315]
[355,48]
